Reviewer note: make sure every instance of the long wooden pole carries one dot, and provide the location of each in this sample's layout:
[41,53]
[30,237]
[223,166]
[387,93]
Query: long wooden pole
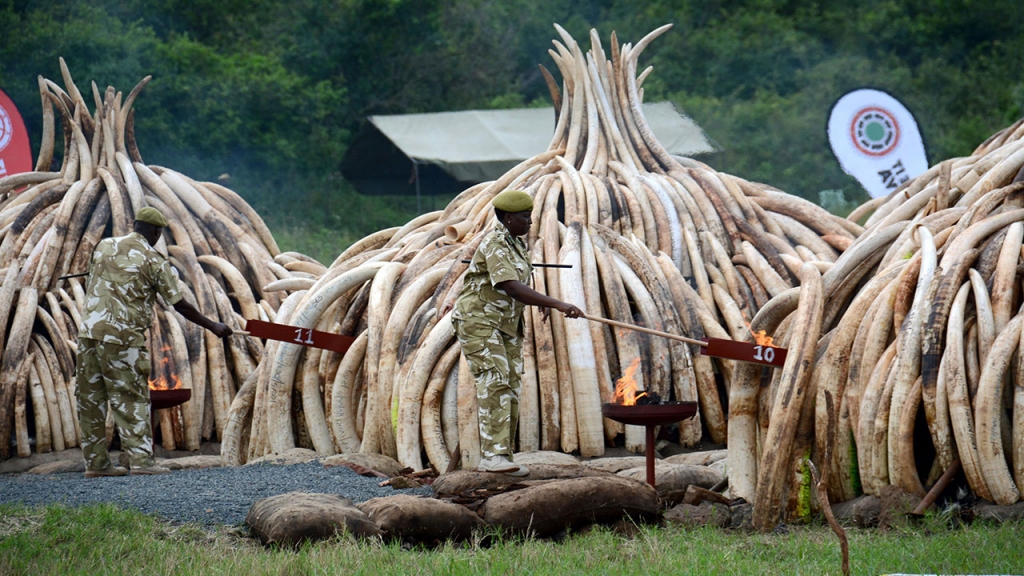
[535,264]
[645,330]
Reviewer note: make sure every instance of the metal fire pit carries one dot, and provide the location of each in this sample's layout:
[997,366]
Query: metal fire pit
[649,416]
[160,398]
[169,398]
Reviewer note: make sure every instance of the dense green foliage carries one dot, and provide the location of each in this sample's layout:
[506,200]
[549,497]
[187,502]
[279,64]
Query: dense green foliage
[272,92]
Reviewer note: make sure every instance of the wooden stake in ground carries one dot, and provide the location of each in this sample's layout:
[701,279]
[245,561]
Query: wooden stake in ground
[822,490]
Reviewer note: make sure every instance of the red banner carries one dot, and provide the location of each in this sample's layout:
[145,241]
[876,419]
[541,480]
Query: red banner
[15,150]
[300,336]
[744,352]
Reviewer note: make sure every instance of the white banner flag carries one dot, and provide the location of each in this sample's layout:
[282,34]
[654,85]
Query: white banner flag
[876,140]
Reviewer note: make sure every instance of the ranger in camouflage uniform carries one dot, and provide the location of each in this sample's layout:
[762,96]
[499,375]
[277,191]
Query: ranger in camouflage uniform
[113,365]
[488,318]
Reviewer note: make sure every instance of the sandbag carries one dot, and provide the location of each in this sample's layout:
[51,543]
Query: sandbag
[538,457]
[292,456]
[673,479]
[296,517]
[616,464]
[193,462]
[703,514]
[421,520]
[705,458]
[461,481]
[379,462]
[547,509]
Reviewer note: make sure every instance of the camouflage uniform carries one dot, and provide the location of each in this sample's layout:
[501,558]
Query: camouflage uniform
[112,361]
[488,323]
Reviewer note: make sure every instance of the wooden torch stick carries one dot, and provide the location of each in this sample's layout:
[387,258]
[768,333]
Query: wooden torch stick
[535,264]
[79,275]
[646,330]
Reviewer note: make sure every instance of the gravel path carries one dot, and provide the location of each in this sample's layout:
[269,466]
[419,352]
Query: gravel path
[205,496]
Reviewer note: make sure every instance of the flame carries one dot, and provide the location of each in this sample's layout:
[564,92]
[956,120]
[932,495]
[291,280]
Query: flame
[761,338]
[625,387]
[162,383]
[161,377]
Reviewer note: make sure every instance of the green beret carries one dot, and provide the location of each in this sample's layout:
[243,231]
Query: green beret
[513,201]
[151,215]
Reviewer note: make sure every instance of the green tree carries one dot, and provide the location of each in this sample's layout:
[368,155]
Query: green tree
[271,92]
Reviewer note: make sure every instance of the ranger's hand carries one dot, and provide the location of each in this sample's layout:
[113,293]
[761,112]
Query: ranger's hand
[570,311]
[545,313]
[220,330]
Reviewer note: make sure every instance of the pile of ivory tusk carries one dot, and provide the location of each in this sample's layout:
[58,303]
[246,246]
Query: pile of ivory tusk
[910,344]
[49,224]
[653,239]
[903,333]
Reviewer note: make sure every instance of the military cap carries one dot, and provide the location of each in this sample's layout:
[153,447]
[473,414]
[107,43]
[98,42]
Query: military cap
[151,215]
[513,201]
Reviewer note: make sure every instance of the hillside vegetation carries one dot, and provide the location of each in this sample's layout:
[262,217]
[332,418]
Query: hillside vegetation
[267,95]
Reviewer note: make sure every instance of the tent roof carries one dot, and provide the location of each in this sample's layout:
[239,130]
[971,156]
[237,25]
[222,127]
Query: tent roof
[480,145]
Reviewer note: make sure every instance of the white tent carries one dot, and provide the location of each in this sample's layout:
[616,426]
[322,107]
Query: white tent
[447,151]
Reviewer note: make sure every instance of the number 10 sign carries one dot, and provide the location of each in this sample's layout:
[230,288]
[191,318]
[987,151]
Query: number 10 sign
[744,352]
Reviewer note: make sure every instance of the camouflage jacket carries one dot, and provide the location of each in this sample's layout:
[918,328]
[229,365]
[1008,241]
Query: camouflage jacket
[500,257]
[125,276]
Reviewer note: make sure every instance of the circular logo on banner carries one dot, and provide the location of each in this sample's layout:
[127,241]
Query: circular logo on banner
[875,131]
[6,128]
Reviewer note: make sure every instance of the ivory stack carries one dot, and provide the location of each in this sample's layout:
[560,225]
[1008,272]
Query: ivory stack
[906,326]
[49,224]
[655,240]
[913,336]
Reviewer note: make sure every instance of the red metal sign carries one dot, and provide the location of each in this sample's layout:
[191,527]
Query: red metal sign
[15,150]
[744,352]
[300,336]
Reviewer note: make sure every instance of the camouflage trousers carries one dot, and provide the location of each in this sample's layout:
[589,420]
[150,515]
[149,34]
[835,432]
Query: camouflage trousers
[118,374]
[496,361]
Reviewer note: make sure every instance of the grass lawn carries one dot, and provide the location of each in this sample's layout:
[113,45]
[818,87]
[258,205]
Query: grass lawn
[108,540]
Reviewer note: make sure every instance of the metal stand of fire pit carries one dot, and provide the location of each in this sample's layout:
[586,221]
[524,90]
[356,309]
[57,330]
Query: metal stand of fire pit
[649,416]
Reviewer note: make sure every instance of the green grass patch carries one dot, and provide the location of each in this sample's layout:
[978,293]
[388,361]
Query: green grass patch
[107,540]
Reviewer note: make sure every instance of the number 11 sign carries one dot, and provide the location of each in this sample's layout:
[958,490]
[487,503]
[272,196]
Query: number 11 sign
[300,336]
